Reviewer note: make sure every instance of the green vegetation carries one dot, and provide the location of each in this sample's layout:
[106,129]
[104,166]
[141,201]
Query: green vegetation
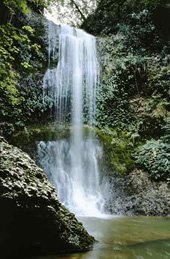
[111,13]
[20,51]
[118,147]
[135,67]
[154,157]
[133,103]
[134,46]
[24,5]
[11,42]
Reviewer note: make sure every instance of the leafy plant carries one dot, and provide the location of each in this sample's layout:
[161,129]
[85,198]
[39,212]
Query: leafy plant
[19,51]
[154,157]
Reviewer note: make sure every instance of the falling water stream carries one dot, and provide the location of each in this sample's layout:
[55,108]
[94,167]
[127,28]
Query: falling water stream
[72,164]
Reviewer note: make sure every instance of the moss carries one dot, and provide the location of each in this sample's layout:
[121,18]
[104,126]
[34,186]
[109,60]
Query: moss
[118,148]
[118,144]
[48,132]
[27,139]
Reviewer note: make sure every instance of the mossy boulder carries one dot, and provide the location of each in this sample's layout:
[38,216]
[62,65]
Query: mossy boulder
[32,220]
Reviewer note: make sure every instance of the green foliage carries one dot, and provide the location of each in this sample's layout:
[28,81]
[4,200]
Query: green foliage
[154,157]
[139,32]
[19,4]
[134,90]
[134,68]
[120,80]
[155,3]
[23,5]
[6,129]
[11,39]
[8,77]
[34,106]
[152,115]
[159,73]
[19,51]
[109,13]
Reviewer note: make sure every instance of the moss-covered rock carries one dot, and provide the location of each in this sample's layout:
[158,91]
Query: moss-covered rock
[32,220]
[28,138]
[118,146]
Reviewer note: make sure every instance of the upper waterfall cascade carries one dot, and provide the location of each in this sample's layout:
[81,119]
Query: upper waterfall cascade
[72,165]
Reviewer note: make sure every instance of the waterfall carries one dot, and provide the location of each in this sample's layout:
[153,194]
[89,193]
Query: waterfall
[72,164]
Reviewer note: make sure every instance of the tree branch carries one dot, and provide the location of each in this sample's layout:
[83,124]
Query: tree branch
[78,9]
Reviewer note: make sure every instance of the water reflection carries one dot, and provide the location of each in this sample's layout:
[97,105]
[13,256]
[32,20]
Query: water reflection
[126,238]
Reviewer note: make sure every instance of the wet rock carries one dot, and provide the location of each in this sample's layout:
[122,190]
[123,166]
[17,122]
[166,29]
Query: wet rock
[137,194]
[32,220]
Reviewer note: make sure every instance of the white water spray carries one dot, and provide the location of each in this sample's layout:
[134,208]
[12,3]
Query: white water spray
[72,165]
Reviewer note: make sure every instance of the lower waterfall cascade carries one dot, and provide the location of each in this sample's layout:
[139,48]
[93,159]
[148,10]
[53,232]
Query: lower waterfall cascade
[72,164]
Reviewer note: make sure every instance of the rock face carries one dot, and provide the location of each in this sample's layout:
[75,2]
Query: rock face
[136,194]
[32,220]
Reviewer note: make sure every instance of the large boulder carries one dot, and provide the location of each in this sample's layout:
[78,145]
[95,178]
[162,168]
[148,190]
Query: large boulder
[32,220]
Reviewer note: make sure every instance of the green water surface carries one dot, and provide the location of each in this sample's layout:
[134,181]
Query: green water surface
[125,238]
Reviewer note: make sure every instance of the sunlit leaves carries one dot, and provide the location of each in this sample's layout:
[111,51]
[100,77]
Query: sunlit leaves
[22,5]
[28,29]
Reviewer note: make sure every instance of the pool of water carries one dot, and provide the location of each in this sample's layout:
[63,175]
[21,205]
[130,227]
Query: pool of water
[125,238]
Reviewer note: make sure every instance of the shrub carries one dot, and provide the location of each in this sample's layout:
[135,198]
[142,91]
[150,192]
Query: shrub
[154,157]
